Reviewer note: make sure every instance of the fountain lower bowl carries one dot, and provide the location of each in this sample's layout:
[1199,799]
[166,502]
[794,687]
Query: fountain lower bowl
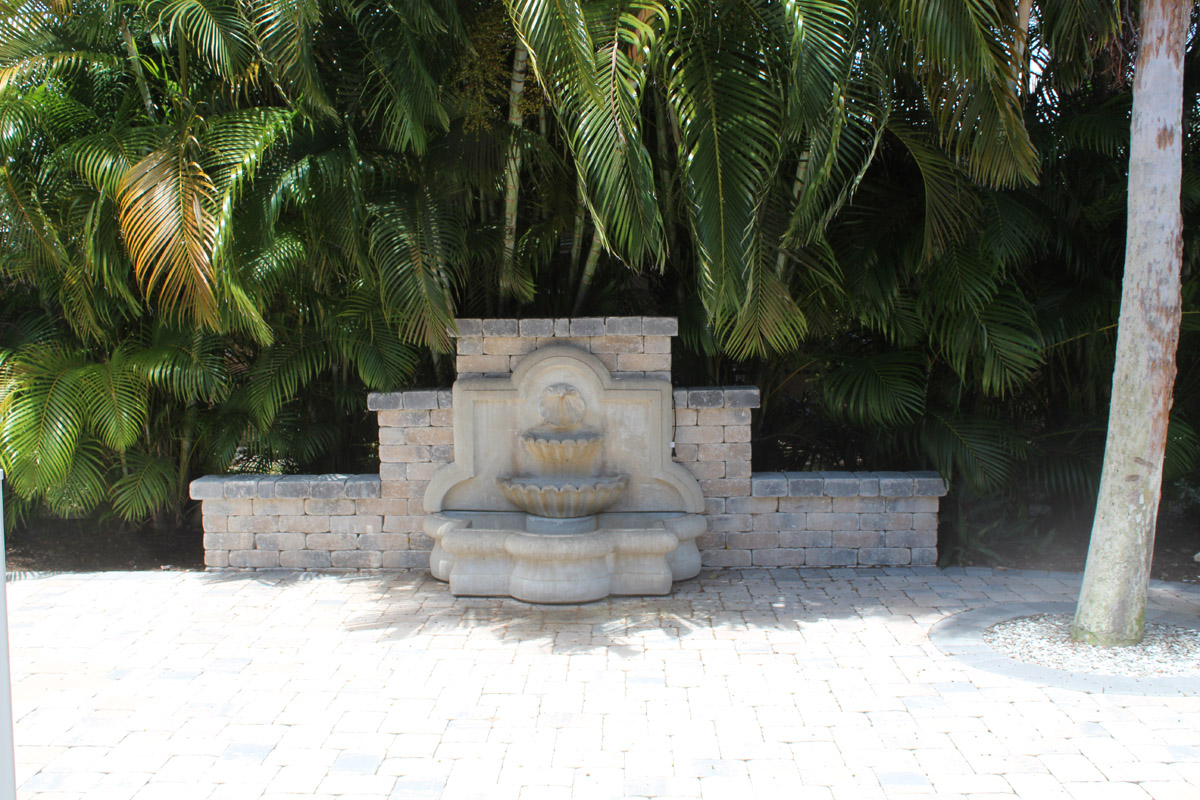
[561,499]
[495,554]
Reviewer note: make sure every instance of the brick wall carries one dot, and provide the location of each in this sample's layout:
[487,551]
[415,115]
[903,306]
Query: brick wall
[339,522]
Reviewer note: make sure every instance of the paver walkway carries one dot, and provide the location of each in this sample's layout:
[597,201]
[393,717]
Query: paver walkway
[776,684]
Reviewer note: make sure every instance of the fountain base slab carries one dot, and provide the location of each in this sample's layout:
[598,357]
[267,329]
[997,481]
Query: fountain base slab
[496,554]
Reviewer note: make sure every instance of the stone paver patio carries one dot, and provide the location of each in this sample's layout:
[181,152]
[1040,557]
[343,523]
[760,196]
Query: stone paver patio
[779,684]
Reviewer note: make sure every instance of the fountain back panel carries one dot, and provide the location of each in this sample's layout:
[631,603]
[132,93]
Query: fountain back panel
[563,489]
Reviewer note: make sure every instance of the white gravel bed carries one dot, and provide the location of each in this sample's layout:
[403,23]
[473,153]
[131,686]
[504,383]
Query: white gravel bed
[1166,651]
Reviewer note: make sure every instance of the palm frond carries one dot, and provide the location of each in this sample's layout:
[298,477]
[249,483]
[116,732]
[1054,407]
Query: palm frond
[883,389]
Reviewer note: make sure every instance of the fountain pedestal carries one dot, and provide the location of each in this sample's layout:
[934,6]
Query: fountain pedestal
[563,489]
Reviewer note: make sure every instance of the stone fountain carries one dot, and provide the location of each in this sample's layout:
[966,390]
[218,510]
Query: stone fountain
[563,489]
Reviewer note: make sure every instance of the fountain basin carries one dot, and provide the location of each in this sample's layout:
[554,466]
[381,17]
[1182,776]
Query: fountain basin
[493,553]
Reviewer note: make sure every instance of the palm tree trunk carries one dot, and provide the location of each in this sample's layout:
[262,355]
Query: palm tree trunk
[135,61]
[589,272]
[1112,602]
[577,232]
[1021,46]
[512,168]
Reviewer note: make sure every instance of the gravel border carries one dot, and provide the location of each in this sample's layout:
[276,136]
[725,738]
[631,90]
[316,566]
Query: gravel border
[961,636]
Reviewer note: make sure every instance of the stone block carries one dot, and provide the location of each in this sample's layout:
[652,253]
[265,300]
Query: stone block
[469,346]
[695,434]
[266,486]
[587,326]
[725,558]
[868,484]
[410,523]
[751,505]
[781,522]
[384,401]
[769,484]
[214,523]
[660,326]
[895,484]
[752,540]
[910,539]
[805,484]
[406,489]
[680,397]
[358,523]
[481,364]
[924,556]
[292,486]
[686,417]
[656,344]
[924,522]
[929,484]
[279,541]
[357,559]
[830,557]
[241,486]
[278,506]
[910,504]
[707,470]
[885,522]
[711,541]
[256,559]
[731,522]
[441,453]
[500,327]
[562,327]
[405,453]
[405,559]
[806,504]
[331,541]
[321,507]
[805,538]
[687,453]
[709,397]
[383,505]
[609,360]
[392,471]
[430,435]
[409,418]
[420,399]
[327,487]
[737,470]
[725,488]
[884,557]
[304,559]
[252,524]
[714,505]
[445,399]
[383,541]
[742,397]
[839,484]
[442,418]
[227,507]
[859,505]
[468,327]
[535,327]
[643,361]
[228,541]
[725,452]
[419,541]
[216,558]
[623,326]
[833,522]
[508,346]
[724,416]
[779,557]
[210,487]
[856,538]
[616,344]
[362,486]
[658,376]
[306,523]
[422,472]
[737,433]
